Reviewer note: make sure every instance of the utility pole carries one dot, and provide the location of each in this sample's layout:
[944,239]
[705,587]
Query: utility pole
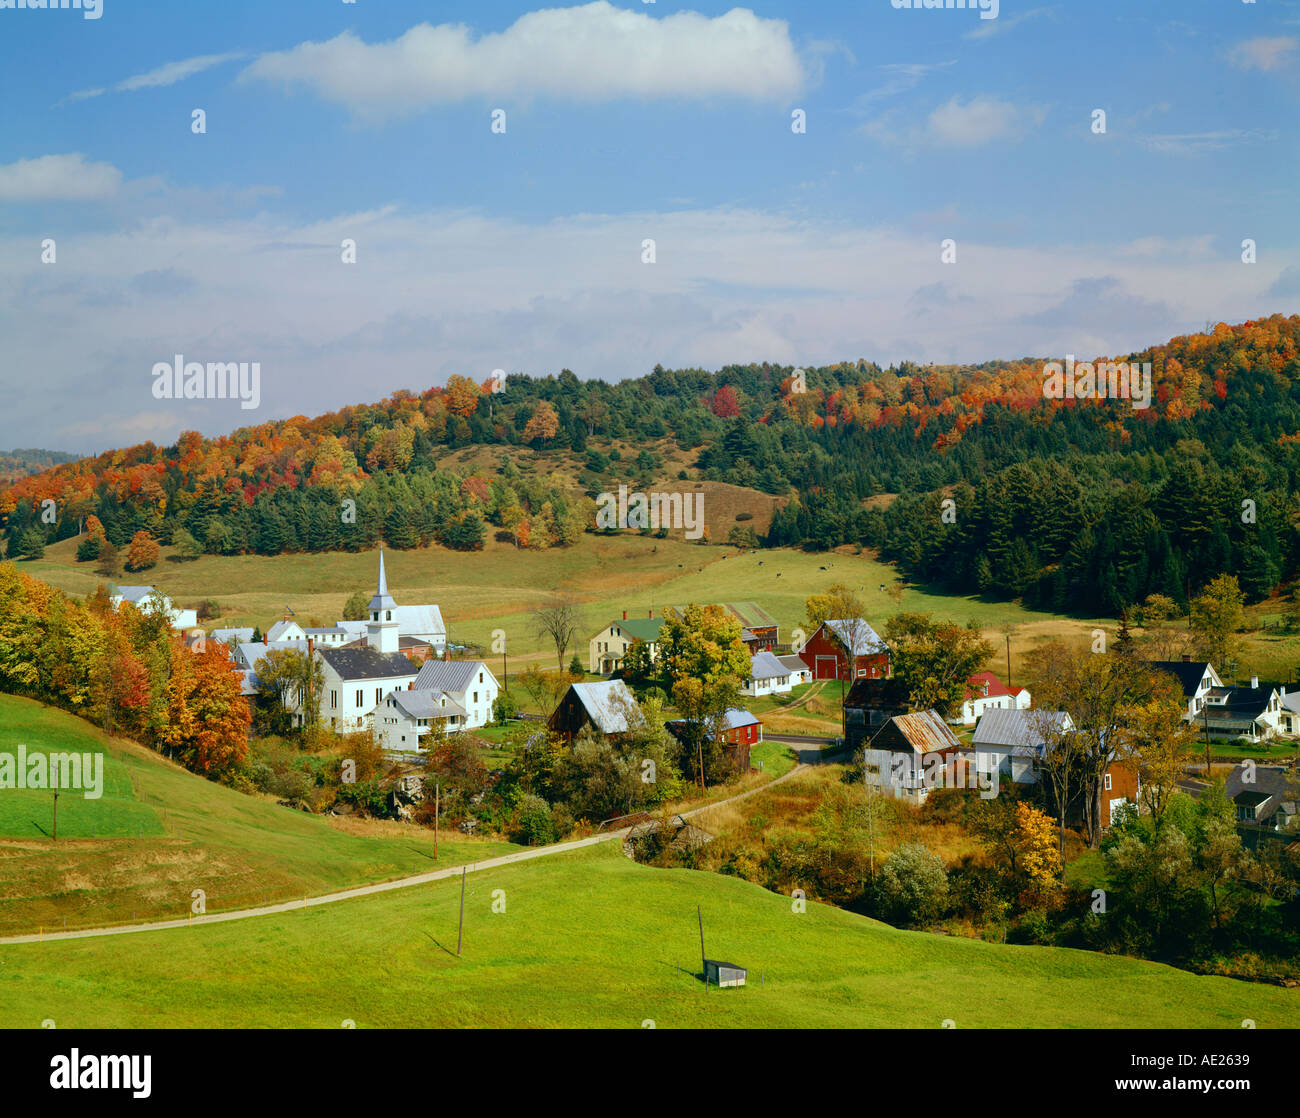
[461,930]
[56,817]
[704,963]
[436,805]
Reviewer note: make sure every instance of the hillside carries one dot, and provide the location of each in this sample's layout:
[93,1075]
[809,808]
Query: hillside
[15,464]
[592,940]
[1072,505]
[159,832]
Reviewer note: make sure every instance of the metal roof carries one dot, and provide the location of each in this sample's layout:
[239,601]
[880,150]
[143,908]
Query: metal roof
[856,635]
[1023,731]
[766,666]
[452,676]
[925,731]
[427,703]
[609,704]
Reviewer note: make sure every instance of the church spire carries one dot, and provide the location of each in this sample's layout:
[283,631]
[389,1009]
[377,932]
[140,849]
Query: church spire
[383,600]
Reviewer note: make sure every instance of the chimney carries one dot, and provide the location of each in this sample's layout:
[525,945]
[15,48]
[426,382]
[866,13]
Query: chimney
[625,615]
[1187,658]
[652,615]
[311,646]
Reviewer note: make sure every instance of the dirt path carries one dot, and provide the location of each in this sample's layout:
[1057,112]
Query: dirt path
[379,887]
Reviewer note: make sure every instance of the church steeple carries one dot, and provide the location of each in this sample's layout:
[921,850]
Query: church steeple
[382,630]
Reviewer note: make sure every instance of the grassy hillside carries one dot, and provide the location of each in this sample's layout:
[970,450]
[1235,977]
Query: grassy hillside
[160,832]
[592,940]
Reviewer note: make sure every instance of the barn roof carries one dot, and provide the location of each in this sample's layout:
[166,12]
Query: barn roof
[856,635]
[925,731]
[608,702]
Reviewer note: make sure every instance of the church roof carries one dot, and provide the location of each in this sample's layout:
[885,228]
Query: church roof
[382,600]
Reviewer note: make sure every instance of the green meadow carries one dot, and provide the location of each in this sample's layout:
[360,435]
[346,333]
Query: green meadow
[159,832]
[589,939]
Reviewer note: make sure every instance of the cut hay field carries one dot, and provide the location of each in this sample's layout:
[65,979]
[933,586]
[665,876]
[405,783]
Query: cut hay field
[159,832]
[590,939]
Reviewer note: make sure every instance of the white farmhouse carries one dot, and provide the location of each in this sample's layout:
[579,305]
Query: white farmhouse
[143,597]
[469,684]
[767,676]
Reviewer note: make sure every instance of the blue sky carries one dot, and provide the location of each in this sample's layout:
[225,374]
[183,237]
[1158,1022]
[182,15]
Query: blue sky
[625,121]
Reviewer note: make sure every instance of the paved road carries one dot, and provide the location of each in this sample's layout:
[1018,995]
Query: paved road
[379,887]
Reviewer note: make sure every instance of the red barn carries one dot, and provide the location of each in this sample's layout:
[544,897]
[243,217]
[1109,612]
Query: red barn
[830,649]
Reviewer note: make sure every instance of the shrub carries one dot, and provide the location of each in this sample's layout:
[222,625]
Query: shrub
[535,824]
[912,887]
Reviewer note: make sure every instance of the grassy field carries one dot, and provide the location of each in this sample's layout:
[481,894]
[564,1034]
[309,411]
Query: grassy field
[592,940]
[160,832]
[498,587]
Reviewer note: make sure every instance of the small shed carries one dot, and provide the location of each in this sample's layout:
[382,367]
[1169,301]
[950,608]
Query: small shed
[723,974]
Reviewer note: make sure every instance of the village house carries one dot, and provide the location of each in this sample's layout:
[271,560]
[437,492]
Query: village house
[248,654]
[847,649]
[146,597]
[1196,679]
[917,737]
[469,684]
[799,671]
[1288,717]
[606,705]
[405,718]
[1267,797]
[1017,741]
[1223,712]
[739,731]
[608,647]
[767,676]
[984,691]
[232,637]
[1011,741]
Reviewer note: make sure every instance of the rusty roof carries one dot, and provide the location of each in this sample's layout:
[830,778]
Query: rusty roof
[925,731]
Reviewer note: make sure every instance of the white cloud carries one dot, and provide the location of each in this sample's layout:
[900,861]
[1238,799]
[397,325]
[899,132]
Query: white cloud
[455,291]
[167,74]
[591,52]
[57,178]
[1263,53]
[989,27]
[1198,143]
[979,121]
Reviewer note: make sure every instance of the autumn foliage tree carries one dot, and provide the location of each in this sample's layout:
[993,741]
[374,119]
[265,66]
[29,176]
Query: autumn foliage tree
[143,552]
[207,717]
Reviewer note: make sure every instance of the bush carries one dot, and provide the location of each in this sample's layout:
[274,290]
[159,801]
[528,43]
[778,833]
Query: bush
[913,885]
[366,796]
[534,825]
[504,708]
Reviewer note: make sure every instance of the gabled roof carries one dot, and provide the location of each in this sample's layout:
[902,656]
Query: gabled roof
[427,703]
[1021,731]
[366,663]
[793,663]
[1189,675]
[239,636]
[925,731]
[640,628]
[1272,788]
[452,676]
[997,689]
[608,702]
[251,652]
[856,635]
[134,594]
[280,627]
[419,621]
[750,615]
[766,666]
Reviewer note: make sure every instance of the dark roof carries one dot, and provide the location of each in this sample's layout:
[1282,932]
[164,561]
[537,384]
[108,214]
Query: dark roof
[366,663]
[1189,675]
[877,694]
[1269,780]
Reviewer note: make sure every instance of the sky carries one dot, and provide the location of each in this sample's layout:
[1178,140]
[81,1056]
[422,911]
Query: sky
[798,167]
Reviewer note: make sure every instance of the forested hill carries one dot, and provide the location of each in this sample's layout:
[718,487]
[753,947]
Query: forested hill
[1071,504]
[20,463]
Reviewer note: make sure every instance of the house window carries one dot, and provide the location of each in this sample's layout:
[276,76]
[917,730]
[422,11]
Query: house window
[1107,782]
[476,696]
[480,677]
[360,700]
[379,694]
[334,700]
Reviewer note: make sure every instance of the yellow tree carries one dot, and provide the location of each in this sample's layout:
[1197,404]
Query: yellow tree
[1038,858]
